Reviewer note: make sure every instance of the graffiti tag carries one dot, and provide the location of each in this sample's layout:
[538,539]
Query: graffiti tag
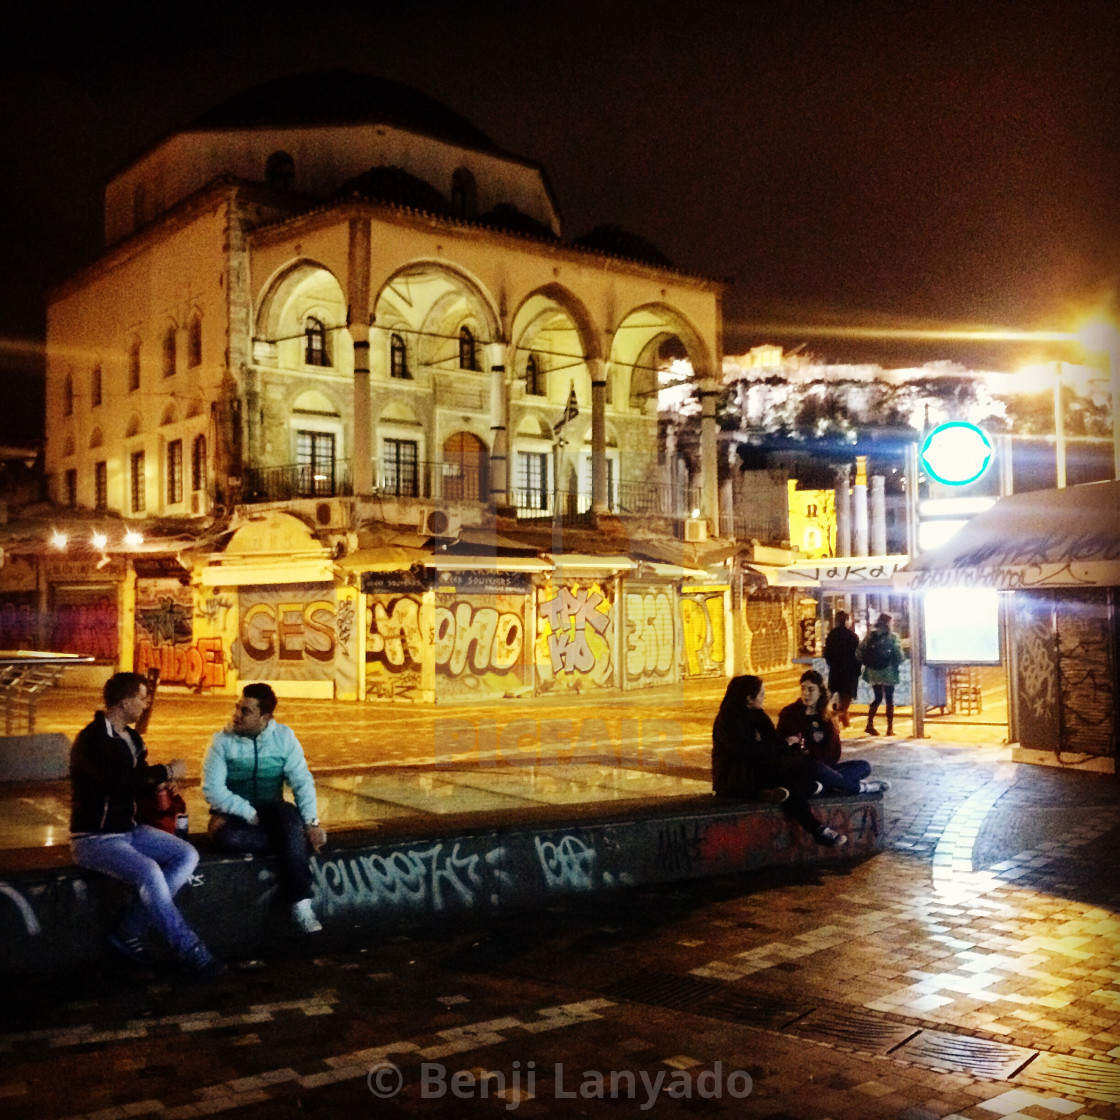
[567,865]
[570,615]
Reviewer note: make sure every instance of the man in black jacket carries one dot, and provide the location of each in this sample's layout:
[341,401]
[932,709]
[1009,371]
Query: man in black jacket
[108,768]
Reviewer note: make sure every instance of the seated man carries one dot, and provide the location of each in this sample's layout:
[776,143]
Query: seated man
[243,778]
[108,768]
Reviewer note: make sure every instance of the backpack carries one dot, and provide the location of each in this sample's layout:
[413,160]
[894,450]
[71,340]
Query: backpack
[877,653]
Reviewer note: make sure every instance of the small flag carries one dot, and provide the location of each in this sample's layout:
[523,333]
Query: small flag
[571,411]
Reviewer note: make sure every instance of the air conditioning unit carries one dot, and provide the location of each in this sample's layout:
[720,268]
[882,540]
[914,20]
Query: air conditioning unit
[332,513]
[695,529]
[441,523]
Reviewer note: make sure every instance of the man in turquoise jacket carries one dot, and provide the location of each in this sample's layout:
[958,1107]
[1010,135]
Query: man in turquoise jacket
[243,777]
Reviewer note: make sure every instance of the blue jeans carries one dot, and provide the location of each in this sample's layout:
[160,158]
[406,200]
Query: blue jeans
[157,864]
[844,777]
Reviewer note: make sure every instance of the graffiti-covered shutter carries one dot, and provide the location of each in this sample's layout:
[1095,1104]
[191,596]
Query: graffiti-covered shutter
[1066,671]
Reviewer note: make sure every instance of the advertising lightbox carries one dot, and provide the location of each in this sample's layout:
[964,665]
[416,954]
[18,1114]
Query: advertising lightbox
[961,626]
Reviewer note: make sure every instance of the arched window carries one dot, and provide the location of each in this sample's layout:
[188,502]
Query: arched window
[134,365]
[534,377]
[315,344]
[194,341]
[464,194]
[169,352]
[198,463]
[280,171]
[468,349]
[398,357]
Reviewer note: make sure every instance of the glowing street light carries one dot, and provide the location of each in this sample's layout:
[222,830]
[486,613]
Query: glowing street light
[100,540]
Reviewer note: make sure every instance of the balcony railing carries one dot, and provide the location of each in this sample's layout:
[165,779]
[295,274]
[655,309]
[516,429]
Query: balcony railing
[463,482]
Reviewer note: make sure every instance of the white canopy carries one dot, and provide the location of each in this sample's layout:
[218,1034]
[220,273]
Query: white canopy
[1040,539]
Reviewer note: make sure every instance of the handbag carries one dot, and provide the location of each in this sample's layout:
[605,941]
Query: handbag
[163,807]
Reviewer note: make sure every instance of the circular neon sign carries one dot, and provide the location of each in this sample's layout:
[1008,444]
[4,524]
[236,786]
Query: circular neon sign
[956,453]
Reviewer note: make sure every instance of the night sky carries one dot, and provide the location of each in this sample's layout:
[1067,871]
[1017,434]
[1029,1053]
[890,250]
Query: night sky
[875,163]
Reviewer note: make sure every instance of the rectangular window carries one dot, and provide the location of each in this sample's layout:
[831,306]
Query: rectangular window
[134,366]
[400,468]
[136,482]
[95,387]
[70,486]
[101,485]
[315,464]
[174,472]
[532,480]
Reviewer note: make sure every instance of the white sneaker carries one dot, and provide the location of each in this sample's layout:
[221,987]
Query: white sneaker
[304,917]
[830,838]
[874,785]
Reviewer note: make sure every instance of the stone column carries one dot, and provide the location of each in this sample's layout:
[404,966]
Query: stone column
[600,502]
[843,511]
[357,295]
[709,460]
[499,426]
[859,508]
[878,515]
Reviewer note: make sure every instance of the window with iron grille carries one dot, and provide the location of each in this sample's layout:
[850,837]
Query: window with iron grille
[194,341]
[169,348]
[400,467]
[468,349]
[70,486]
[136,482]
[315,464]
[174,472]
[398,357]
[134,366]
[534,377]
[101,485]
[532,479]
[198,463]
[315,344]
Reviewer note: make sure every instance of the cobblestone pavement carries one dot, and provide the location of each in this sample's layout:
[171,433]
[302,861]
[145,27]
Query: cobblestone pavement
[970,970]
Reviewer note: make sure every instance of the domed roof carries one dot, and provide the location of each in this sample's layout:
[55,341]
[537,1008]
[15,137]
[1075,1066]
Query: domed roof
[343,97]
[615,241]
[397,187]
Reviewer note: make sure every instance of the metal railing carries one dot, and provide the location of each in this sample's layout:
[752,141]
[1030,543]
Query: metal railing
[298,480]
[454,482]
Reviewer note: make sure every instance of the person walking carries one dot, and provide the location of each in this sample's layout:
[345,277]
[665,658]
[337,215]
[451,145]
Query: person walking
[807,724]
[109,769]
[750,761]
[843,665]
[243,778]
[880,653]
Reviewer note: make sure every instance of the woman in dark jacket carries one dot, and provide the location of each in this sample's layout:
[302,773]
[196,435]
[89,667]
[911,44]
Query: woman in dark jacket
[843,666]
[749,760]
[807,725]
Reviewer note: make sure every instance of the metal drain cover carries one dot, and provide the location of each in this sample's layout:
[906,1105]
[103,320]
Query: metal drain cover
[1083,1077]
[942,1050]
[751,1009]
[859,1030]
[664,989]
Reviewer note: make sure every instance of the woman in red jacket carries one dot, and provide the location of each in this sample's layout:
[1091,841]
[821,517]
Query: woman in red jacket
[808,724]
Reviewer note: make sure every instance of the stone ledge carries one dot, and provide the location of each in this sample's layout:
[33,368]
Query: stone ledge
[424,871]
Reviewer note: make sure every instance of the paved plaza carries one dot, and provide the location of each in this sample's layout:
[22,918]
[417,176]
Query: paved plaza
[970,970]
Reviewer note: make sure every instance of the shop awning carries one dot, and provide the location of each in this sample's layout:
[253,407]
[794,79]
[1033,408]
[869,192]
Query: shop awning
[840,573]
[1040,539]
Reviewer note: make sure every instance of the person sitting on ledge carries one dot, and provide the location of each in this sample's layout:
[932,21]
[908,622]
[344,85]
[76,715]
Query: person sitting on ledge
[750,761]
[108,768]
[808,725]
[243,777]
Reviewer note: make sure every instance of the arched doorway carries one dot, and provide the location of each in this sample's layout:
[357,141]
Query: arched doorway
[465,470]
